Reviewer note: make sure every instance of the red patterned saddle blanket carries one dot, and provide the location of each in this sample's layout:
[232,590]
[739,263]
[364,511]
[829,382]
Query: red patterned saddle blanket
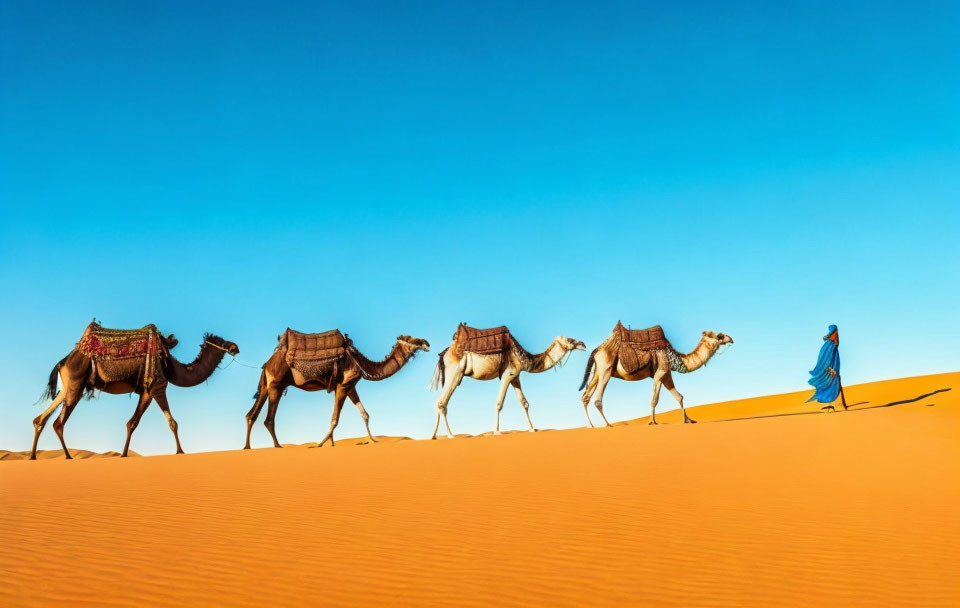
[114,353]
[103,343]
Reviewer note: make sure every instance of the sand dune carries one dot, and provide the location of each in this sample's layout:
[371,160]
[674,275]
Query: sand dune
[765,502]
[48,454]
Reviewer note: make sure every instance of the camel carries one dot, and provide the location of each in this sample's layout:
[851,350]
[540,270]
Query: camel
[339,374]
[504,358]
[658,363]
[80,374]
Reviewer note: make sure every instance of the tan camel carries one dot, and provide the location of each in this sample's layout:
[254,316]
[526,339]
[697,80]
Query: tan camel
[119,372]
[659,364]
[459,361]
[339,374]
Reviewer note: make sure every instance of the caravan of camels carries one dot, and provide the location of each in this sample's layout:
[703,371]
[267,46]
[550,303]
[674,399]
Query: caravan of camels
[139,361]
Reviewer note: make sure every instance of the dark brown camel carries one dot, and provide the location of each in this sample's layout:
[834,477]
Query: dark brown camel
[341,376]
[79,374]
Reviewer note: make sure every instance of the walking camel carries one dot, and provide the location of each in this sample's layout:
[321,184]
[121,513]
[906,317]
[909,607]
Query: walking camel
[125,361]
[325,361]
[635,354]
[485,354]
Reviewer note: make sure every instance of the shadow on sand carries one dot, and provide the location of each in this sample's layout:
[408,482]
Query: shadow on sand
[872,407]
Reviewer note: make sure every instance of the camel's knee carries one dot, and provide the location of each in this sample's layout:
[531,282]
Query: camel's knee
[268,422]
[599,405]
[365,416]
[38,423]
[58,426]
[173,425]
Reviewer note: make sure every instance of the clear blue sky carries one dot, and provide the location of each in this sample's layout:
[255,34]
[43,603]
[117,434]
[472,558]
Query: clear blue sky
[243,167]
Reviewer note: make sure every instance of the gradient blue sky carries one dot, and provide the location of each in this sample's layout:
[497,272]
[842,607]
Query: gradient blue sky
[241,167]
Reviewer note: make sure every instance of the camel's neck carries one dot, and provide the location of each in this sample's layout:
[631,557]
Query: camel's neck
[199,370]
[547,359]
[391,364]
[699,356]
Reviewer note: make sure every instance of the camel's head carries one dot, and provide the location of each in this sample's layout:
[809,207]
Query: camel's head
[717,339]
[415,344]
[570,343]
[171,341]
[225,345]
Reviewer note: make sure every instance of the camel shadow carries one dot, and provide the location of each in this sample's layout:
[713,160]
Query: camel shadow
[872,407]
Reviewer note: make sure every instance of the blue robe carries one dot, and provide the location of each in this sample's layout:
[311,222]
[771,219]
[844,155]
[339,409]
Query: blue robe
[826,383]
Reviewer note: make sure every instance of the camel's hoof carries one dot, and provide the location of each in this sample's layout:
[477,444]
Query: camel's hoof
[689,421]
[532,431]
[497,433]
[69,457]
[33,457]
[652,422]
[372,440]
[246,447]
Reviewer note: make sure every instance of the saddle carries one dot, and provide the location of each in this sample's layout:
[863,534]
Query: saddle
[631,343]
[113,352]
[482,341]
[316,356]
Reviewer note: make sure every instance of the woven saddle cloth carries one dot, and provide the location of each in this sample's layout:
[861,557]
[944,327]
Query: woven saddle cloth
[118,354]
[482,341]
[314,355]
[633,344]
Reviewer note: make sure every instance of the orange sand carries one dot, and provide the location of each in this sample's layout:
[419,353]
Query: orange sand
[856,507]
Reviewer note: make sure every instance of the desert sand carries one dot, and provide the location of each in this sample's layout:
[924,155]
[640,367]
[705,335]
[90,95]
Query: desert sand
[767,501]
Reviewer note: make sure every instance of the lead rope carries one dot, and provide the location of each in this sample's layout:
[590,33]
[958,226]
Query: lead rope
[233,358]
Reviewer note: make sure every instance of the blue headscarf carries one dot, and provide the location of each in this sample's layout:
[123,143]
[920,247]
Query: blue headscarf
[826,383]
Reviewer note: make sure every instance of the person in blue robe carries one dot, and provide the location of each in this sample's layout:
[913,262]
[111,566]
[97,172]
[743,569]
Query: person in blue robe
[825,377]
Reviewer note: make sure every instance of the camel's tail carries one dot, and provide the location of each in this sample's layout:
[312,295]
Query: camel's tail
[586,372]
[51,391]
[261,386]
[439,374]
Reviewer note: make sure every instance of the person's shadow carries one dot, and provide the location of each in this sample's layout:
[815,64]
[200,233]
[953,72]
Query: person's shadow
[861,409]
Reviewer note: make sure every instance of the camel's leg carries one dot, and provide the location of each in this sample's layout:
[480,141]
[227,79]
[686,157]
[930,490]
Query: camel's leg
[601,387]
[142,405]
[523,400]
[504,383]
[255,410]
[657,381]
[588,393]
[339,397]
[273,394]
[69,404]
[161,396]
[41,421]
[454,378]
[668,382]
[363,413]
